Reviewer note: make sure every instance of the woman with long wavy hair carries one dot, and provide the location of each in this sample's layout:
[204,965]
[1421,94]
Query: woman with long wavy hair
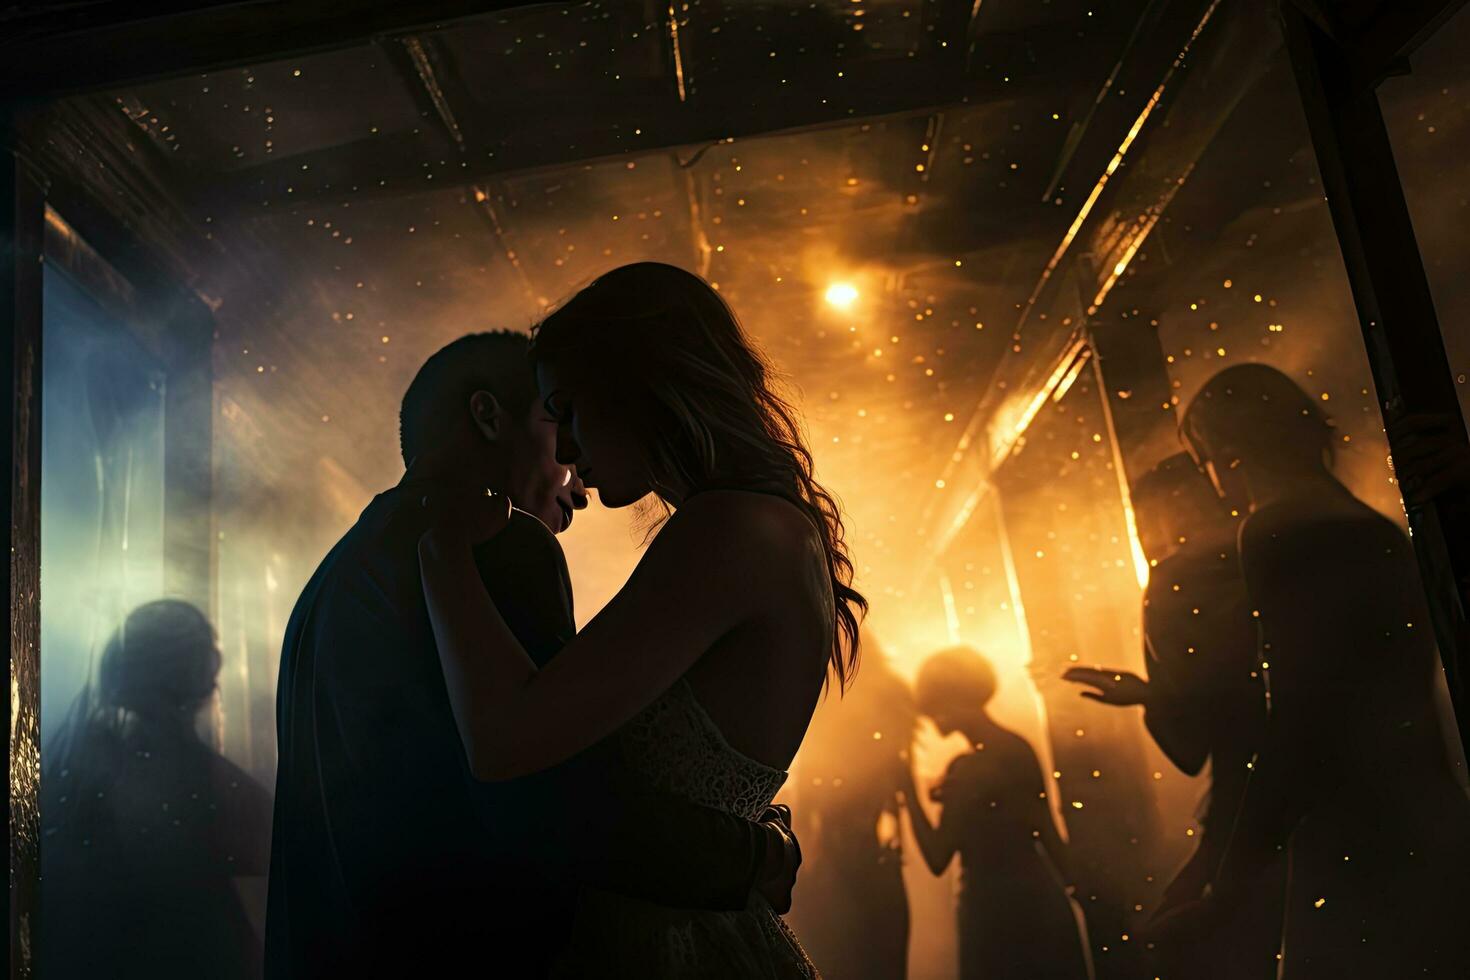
[710,660]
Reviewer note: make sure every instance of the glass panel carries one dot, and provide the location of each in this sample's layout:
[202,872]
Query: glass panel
[1316,696]
[1000,255]
[147,832]
[102,488]
[1072,552]
[1428,117]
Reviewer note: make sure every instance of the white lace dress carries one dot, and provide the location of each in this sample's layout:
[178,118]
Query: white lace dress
[678,747]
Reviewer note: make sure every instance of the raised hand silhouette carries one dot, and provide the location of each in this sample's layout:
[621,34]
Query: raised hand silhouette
[1116,687]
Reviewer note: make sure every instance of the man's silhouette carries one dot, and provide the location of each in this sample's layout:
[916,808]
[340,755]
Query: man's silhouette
[1354,781]
[1204,701]
[388,858]
[149,831]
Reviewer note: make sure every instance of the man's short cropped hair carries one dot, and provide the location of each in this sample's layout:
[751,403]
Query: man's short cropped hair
[496,361]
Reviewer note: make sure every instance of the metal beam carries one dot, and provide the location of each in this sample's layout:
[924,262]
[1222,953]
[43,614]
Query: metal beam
[487,198]
[610,129]
[1158,35]
[115,42]
[688,188]
[1377,40]
[410,60]
[1058,287]
[1395,307]
[1401,27]
[22,225]
[1233,57]
[429,73]
[124,197]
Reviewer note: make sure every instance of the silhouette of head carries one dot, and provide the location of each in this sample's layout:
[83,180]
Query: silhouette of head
[1253,418]
[953,687]
[1174,505]
[473,405]
[161,663]
[657,390]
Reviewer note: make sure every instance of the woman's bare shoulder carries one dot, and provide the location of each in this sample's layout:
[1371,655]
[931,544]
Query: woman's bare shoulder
[766,522]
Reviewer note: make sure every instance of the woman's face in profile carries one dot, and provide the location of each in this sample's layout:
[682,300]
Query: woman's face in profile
[596,431]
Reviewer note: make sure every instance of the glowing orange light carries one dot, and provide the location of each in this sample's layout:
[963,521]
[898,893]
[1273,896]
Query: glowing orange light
[841,295]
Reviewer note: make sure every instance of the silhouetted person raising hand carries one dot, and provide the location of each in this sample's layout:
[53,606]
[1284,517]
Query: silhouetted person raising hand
[1203,701]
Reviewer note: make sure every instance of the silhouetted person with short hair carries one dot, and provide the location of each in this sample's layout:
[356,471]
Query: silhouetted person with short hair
[1203,702]
[1015,918]
[848,817]
[1353,779]
[145,829]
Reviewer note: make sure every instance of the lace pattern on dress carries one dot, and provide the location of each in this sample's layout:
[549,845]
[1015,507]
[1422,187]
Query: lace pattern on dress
[677,746]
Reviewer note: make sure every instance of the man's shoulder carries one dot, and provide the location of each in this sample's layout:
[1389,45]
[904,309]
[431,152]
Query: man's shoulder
[379,553]
[375,557]
[1315,532]
[361,616]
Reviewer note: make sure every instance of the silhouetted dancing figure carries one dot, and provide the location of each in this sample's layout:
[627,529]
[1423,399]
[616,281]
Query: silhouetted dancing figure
[1015,919]
[144,827]
[1203,701]
[1353,777]
[847,818]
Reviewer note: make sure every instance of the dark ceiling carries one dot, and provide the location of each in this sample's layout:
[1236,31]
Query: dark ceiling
[370,203]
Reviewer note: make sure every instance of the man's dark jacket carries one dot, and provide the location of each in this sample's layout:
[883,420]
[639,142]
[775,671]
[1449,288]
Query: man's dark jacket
[388,858]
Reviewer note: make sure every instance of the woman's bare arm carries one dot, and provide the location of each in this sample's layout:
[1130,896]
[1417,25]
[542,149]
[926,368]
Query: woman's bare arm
[697,582]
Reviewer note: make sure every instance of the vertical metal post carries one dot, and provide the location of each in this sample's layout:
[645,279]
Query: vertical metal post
[1395,306]
[22,227]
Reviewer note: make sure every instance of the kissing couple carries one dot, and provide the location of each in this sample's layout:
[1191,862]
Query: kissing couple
[466,783]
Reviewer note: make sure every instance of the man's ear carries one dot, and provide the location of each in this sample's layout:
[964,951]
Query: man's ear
[488,415]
